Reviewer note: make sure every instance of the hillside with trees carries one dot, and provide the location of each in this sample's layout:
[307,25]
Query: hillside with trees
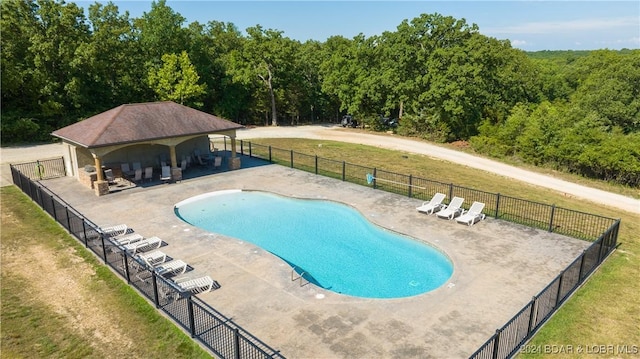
[577,111]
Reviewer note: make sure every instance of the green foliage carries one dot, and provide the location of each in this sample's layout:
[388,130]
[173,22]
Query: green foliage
[264,60]
[20,129]
[444,79]
[160,32]
[176,80]
[424,125]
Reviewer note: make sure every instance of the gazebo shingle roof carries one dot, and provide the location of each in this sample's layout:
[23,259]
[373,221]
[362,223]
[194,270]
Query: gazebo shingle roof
[142,122]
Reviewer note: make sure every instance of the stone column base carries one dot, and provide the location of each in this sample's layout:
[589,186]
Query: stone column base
[101,188]
[234,163]
[176,174]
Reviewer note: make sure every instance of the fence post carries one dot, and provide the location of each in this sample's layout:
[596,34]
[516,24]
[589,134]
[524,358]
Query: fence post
[581,266]
[270,158]
[375,174]
[450,191]
[39,196]
[156,297]
[553,211]
[344,170]
[236,343]
[600,255]
[84,233]
[410,185]
[126,267]
[559,294]
[497,205]
[242,147]
[53,205]
[316,164]
[66,209]
[291,155]
[64,167]
[104,249]
[30,184]
[532,315]
[192,321]
[496,344]
[250,150]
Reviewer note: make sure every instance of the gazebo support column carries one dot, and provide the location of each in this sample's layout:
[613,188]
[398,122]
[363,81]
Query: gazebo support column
[176,171]
[100,175]
[100,186]
[234,162]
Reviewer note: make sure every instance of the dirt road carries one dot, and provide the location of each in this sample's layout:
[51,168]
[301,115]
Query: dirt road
[337,133]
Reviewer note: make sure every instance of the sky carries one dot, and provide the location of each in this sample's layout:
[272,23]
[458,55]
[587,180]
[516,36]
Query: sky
[529,25]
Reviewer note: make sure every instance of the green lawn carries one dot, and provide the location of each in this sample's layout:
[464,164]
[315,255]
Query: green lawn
[59,301]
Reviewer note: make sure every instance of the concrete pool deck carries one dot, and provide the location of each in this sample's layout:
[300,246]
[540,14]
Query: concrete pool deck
[498,267]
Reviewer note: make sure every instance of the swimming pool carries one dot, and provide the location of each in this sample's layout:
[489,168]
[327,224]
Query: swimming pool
[332,244]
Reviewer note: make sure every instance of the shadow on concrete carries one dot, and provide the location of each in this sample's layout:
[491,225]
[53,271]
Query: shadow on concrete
[192,172]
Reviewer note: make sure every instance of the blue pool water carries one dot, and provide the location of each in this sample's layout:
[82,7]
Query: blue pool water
[333,244]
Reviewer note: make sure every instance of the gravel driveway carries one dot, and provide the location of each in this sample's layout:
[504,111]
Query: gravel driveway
[337,133]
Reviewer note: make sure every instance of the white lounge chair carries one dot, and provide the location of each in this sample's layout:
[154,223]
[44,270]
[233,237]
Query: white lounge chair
[434,205]
[473,215]
[166,174]
[154,258]
[196,285]
[452,210]
[117,230]
[173,267]
[143,245]
[128,238]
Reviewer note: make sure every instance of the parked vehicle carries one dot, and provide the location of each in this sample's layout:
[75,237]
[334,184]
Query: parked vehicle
[349,121]
[387,122]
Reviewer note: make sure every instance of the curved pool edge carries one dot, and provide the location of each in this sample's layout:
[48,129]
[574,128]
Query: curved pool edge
[296,267]
[205,195]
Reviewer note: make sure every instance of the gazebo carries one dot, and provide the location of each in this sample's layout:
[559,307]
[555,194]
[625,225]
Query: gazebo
[142,132]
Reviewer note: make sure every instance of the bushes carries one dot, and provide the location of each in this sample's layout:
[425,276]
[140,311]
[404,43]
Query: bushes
[567,138]
[17,130]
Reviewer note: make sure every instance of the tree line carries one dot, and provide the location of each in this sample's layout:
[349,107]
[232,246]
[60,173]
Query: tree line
[444,79]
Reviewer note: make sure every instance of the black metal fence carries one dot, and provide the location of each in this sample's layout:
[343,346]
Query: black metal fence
[217,332]
[507,340]
[42,169]
[533,214]
[229,341]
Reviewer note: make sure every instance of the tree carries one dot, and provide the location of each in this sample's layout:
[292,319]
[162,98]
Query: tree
[265,58]
[610,86]
[60,30]
[113,58]
[161,31]
[210,48]
[19,87]
[176,80]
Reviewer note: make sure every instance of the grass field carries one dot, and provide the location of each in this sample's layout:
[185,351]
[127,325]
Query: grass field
[58,301]
[606,311]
